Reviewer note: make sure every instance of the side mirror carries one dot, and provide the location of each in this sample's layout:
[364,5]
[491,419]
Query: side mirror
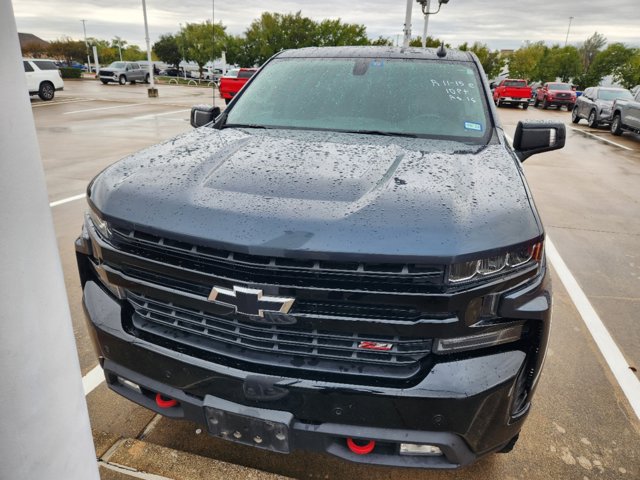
[538,137]
[203,114]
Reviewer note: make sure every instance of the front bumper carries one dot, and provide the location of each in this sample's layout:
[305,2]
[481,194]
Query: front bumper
[462,404]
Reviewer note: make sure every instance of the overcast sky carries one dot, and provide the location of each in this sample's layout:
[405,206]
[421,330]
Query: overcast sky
[499,23]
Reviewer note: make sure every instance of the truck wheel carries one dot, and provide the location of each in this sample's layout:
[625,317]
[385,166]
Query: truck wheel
[575,118]
[146,78]
[545,104]
[591,121]
[616,125]
[509,446]
[569,108]
[122,79]
[536,102]
[46,91]
[525,106]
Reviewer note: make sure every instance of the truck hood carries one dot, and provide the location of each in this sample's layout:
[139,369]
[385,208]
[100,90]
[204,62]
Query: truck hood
[318,194]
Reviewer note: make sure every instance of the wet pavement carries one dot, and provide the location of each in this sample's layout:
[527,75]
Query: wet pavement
[581,425]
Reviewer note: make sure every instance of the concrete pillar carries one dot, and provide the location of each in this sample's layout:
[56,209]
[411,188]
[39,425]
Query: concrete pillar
[44,425]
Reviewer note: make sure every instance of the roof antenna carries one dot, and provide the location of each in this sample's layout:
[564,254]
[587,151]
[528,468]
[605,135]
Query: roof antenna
[441,51]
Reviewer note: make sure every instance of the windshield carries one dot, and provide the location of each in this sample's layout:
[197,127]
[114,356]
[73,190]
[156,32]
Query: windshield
[425,98]
[615,95]
[118,65]
[559,86]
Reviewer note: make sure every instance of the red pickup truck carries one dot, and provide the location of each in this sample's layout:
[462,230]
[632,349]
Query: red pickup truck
[514,92]
[556,93]
[233,81]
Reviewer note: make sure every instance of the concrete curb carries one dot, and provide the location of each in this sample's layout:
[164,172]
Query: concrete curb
[130,458]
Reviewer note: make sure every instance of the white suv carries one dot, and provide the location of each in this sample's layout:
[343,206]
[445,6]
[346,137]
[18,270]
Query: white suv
[43,77]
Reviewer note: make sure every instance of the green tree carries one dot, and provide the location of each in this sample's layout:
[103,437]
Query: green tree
[273,32]
[559,62]
[492,62]
[331,33]
[67,49]
[607,62]
[590,48]
[523,63]
[202,42]
[167,50]
[628,74]
[382,42]
[431,42]
[132,53]
[237,51]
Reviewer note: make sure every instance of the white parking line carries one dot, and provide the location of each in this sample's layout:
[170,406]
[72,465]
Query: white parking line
[600,138]
[61,102]
[149,117]
[106,108]
[618,365]
[92,379]
[67,200]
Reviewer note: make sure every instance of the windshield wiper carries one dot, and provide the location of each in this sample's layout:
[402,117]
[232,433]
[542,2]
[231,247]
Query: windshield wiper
[379,132]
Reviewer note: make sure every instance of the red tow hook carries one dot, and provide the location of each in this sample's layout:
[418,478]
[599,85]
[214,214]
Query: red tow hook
[361,449]
[162,403]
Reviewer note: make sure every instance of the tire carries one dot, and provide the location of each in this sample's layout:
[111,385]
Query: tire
[616,125]
[569,108]
[592,121]
[536,102]
[104,82]
[545,104]
[525,106]
[46,91]
[122,79]
[575,117]
[509,446]
[146,78]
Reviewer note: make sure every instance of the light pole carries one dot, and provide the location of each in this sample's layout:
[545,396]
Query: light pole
[120,48]
[568,29]
[152,91]
[86,44]
[425,10]
[426,24]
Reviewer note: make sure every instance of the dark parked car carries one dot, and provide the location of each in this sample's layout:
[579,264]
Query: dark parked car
[596,103]
[625,116]
[326,266]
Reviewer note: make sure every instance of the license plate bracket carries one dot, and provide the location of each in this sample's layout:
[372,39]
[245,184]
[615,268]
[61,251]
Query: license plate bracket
[257,427]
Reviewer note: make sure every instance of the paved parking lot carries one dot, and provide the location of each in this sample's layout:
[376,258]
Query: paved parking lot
[582,425]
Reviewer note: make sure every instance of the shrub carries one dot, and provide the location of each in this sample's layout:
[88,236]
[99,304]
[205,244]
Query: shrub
[68,72]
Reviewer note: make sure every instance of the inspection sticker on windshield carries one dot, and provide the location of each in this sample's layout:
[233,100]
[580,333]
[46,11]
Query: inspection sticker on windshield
[472,126]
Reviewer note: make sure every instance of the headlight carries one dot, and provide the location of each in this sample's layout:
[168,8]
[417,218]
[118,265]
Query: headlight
[502,263]
[101,225]
[481,340]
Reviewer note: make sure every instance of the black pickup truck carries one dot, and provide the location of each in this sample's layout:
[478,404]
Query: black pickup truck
[347,260]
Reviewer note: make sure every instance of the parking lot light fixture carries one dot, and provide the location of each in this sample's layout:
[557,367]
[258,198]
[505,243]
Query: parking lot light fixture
[152,91]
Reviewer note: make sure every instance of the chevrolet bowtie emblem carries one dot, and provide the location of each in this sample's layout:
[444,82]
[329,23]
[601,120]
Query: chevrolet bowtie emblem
[250,301]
